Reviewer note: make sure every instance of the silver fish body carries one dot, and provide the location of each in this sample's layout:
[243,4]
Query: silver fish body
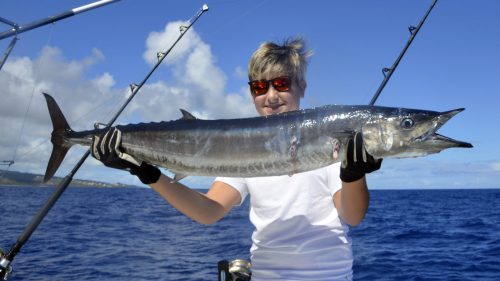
[281,144]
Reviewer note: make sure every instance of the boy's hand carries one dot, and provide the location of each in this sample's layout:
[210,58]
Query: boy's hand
[358,162]
[106,148]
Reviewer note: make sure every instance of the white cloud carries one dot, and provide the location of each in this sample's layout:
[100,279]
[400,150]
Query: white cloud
[24,80]
[240,73]
[495,166]
[428,172]
[104,82]
[202,72]
[161,41]
[198,85]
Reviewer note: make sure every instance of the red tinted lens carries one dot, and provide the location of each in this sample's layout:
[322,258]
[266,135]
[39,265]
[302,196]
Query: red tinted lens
[259,87]
[281,84]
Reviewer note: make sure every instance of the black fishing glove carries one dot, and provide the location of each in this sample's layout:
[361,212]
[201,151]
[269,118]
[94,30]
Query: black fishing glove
[358,162]
[106,148]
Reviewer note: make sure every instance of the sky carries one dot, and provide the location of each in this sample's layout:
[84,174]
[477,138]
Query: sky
[87,62]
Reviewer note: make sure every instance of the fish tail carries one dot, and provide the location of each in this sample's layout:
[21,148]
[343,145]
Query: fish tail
[59,146]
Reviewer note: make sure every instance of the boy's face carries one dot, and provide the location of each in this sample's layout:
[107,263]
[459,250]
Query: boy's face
[274,101]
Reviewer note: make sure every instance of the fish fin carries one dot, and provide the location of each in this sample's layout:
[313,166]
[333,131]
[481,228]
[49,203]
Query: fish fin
[186,115]
[178,177]
[61,128]
[56,158]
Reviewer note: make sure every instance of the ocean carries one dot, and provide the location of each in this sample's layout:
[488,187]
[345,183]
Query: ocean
[131,234]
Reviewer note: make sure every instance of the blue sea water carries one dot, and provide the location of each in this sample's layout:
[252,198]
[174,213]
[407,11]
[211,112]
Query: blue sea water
[120,234]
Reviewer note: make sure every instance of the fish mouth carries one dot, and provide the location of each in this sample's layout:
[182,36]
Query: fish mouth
[449,141]
[439,121]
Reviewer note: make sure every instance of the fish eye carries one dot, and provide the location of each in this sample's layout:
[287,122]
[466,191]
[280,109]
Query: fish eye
[407,123]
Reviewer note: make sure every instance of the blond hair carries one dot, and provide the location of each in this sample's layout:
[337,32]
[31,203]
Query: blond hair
[289,58]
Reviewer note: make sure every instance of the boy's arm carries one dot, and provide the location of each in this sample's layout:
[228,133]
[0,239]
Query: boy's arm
[352,201]
[203,208]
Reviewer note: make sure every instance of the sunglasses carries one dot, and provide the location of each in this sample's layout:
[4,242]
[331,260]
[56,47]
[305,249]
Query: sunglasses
[260,87]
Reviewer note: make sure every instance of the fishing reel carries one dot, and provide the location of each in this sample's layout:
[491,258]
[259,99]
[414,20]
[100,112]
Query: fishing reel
[5,268]
[237,270]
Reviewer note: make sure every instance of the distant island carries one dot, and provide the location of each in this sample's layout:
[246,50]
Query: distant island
[13,178]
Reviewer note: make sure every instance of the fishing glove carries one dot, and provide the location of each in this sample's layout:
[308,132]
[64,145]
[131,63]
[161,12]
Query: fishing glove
[358,162]
[106,148]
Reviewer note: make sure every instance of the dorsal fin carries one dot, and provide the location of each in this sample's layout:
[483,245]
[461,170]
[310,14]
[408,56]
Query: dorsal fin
[186,115]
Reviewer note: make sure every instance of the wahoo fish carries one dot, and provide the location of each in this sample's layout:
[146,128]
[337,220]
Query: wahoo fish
[281,144]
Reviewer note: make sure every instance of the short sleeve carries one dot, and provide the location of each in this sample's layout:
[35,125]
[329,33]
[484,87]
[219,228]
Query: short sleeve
[334,182]
[237,183]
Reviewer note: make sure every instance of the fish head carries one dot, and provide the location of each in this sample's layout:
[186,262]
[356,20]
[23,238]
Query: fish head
[402,133]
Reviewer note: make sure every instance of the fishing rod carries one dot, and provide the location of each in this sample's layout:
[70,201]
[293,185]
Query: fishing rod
[387,72]
[17,29]
[8,51]
[6,259]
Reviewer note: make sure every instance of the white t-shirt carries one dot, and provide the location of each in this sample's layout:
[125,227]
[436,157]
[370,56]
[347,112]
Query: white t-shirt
[298,233]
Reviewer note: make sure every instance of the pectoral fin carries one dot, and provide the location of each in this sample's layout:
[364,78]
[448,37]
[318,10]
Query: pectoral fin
[178,177]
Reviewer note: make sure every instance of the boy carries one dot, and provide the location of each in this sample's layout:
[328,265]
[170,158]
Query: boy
[301,221]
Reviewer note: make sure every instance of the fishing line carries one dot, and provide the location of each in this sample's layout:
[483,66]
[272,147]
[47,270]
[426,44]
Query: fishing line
[237,17]
[108,113]
[35,79]
[23,123]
